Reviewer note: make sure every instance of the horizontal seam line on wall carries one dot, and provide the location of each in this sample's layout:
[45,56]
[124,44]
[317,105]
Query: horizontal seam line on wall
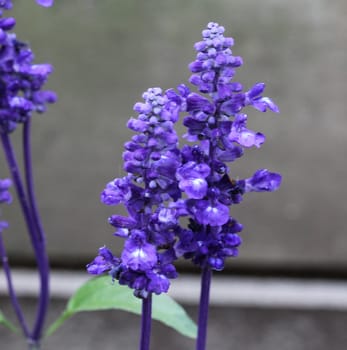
[225,291]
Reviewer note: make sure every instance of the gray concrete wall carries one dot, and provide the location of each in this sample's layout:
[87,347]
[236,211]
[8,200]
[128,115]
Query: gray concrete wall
[106,53]
[229,328]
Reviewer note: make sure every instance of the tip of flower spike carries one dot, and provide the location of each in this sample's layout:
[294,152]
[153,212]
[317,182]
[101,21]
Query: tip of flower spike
[45,3]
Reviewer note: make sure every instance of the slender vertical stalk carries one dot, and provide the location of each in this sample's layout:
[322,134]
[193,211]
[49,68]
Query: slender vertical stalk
[203,308]
[12,293]
[14,170]
[28,172]
[146,323]
[44,270]
[34,237]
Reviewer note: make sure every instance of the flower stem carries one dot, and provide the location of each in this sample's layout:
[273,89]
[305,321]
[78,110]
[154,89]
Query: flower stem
[44,270]
[12,293]
[146,322]
[203,308]
[36,242]
[14,169]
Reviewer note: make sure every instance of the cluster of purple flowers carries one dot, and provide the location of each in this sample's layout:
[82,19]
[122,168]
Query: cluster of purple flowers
[21,94]
[150,158]
[5,197]
[21,80]
[165,183]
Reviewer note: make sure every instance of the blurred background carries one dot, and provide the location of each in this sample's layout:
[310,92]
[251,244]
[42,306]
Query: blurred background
[106,53]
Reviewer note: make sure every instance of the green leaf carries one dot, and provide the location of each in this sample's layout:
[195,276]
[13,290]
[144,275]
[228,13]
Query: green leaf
[7,323]
[101,294]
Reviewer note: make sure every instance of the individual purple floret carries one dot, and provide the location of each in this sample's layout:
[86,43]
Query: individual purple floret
[150,158]
[21,80]
[261,181]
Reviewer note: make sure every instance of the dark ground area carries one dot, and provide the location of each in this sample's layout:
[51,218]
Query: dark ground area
[230,328]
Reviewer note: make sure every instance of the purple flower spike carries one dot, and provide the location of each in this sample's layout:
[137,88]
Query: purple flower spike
[158,283]
[253,97]
[151,159]
[21,80]
[165,183]
[218,126]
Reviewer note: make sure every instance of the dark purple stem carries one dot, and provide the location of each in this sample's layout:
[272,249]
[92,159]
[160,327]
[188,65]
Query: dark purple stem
[203,308]
[29,179]
[12,293]
[146,322]
[44,270]
[14,169]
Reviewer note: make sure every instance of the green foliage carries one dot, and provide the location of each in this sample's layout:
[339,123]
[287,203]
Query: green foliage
[100,294]
[7,323]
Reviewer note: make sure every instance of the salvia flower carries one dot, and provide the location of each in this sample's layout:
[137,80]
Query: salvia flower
[21,80]
[151,158]
[217,125]
[164,183]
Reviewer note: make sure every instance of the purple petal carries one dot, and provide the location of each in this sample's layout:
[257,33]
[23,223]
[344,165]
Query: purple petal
[247,138]
[256,90]
[142,107]
[214,214]
[45,3]
[119,221]
[263,181]
[192,170]
[195,102]
[105,261]
[139,254]
[137,125]
[158,283]
[7,23]
[116,191]
[194,188]
[270,104]
[167,216]
[263,103]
